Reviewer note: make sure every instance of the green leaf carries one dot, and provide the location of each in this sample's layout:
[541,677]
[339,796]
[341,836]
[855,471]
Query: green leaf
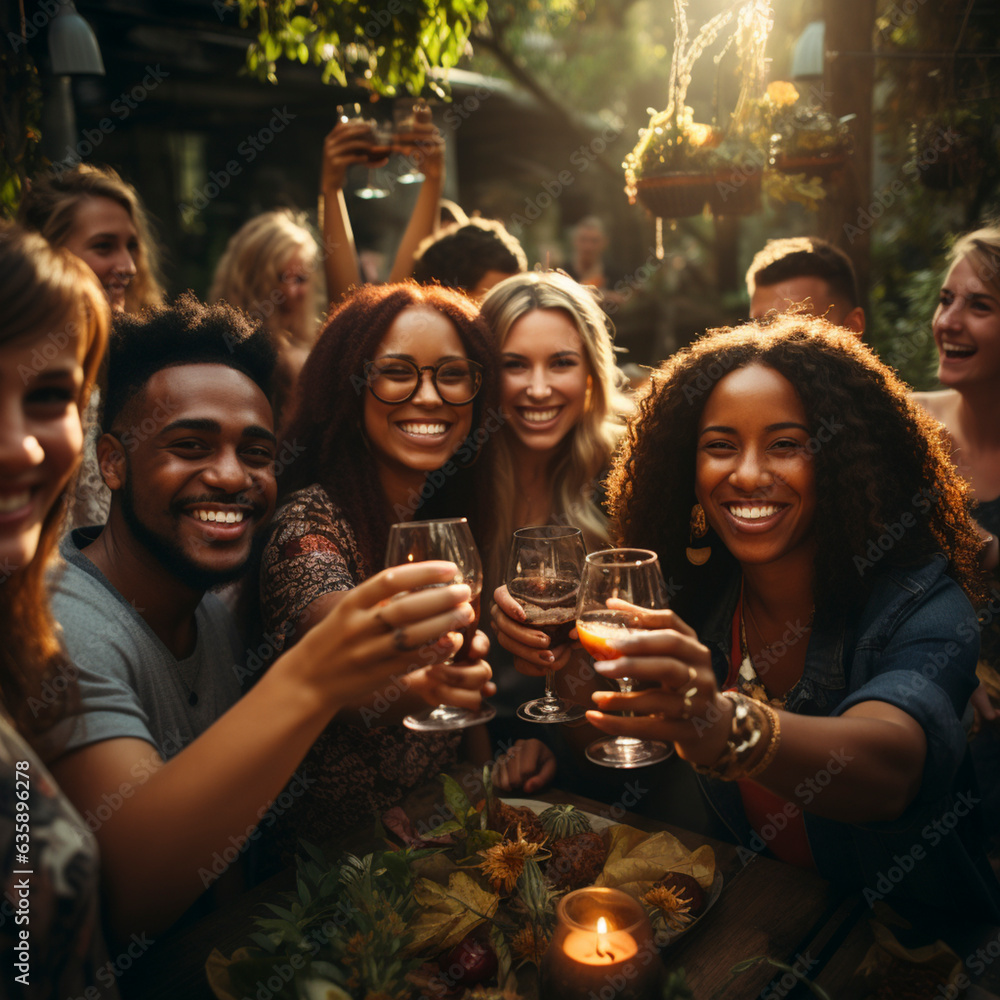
[455,798]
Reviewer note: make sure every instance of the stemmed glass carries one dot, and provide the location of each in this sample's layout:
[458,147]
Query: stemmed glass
[543,576]
[449,539]
[379,146]
[631,576]
[404,114]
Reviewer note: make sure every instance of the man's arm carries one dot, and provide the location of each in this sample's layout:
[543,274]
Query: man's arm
[174,818]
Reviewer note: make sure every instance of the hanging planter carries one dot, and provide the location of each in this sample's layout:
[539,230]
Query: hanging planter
[680,166]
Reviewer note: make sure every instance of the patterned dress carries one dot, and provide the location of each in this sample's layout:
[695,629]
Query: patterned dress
[352,773]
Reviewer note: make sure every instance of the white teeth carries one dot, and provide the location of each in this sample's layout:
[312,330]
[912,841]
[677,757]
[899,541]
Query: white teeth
[752,513]
[223,516]
[14,502]
[424,428]
[538,416]
[962,349]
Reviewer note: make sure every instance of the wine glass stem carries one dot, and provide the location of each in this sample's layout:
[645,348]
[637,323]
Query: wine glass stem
[550,685]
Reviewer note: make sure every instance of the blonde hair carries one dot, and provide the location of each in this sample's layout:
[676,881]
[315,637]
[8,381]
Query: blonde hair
[586,451]
[249,272]
[982,248]
[46,295]
[49,207]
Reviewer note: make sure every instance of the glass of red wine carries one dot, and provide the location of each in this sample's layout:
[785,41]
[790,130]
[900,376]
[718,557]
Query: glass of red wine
[543,576]
[449,539]
[631,576]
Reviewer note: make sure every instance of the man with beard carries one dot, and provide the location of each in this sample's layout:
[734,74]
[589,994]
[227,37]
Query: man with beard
[188,453]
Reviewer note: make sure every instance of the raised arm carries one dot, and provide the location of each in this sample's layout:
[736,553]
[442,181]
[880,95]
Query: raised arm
[346,144]
[426,149]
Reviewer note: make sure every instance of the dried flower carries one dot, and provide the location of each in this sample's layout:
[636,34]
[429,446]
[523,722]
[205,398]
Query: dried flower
[504,862]
[527,948]
[675,906]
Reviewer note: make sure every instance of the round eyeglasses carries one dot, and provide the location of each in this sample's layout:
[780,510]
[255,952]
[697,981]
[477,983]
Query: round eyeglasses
[395,380]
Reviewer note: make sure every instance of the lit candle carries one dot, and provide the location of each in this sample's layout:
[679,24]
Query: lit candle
[602,948]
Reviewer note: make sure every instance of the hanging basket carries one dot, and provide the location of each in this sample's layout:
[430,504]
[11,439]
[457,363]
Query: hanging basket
[677,195]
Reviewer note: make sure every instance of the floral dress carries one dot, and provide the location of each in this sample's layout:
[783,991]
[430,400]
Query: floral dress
[352,773]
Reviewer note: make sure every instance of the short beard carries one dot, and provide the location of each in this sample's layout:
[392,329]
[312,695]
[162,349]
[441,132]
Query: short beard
[166,552]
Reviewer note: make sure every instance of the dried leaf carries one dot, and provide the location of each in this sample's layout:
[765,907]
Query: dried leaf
[636,860]
[447,915]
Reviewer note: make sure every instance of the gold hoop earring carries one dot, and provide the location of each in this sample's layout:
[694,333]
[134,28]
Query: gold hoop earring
[699,528]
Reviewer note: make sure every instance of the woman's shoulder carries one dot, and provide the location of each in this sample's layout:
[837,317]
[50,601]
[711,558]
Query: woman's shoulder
[939,403]
[309,511]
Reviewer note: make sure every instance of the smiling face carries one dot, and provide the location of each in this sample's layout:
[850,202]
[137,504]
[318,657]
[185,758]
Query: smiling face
[40,439]
[545,378]
[967,328]
[421,434]
[104,237]
[199,481]
[754,473]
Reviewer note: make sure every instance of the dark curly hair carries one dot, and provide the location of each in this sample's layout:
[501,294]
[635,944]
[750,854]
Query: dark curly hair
[186,333]
[325,427]
[460,255]
[877,457]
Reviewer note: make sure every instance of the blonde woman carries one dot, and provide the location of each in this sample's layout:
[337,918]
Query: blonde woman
[99,218]
[561,400]
[271,270]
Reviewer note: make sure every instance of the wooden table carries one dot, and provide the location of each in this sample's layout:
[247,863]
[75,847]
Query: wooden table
[768,909]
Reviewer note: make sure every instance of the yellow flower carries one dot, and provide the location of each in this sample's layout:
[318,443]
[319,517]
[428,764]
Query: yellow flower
[782,93]
[674,905]
[504,862]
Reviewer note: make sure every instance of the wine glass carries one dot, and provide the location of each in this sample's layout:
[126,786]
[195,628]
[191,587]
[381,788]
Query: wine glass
[380,149]
[379,146]
[543,576]
[404,114]
[632,576]
[449,539]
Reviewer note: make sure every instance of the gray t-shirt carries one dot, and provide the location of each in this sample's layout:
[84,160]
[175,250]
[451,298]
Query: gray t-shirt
[130,684]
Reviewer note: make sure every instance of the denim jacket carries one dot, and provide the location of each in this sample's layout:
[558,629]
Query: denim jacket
[914,645]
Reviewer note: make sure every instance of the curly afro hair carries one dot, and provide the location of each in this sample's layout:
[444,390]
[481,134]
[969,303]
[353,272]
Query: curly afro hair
[877,458]
[186,333]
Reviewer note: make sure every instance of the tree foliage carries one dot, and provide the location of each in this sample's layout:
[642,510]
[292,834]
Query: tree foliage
[390,44]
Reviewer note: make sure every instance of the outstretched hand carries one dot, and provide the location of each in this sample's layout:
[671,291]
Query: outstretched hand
[531,648]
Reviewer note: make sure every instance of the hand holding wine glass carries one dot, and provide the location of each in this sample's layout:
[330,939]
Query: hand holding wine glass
[612,580]
[543,576]
[450,539]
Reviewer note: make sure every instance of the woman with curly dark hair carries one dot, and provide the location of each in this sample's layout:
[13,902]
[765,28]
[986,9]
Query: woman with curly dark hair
[820,650]
[394,405]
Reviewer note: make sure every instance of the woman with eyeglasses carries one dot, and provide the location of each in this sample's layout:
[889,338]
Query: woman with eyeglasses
[396,405]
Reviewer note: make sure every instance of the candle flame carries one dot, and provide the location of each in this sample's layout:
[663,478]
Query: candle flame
[602,945]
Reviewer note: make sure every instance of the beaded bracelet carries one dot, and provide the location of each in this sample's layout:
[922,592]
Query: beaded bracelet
[772,746]
[744,738]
